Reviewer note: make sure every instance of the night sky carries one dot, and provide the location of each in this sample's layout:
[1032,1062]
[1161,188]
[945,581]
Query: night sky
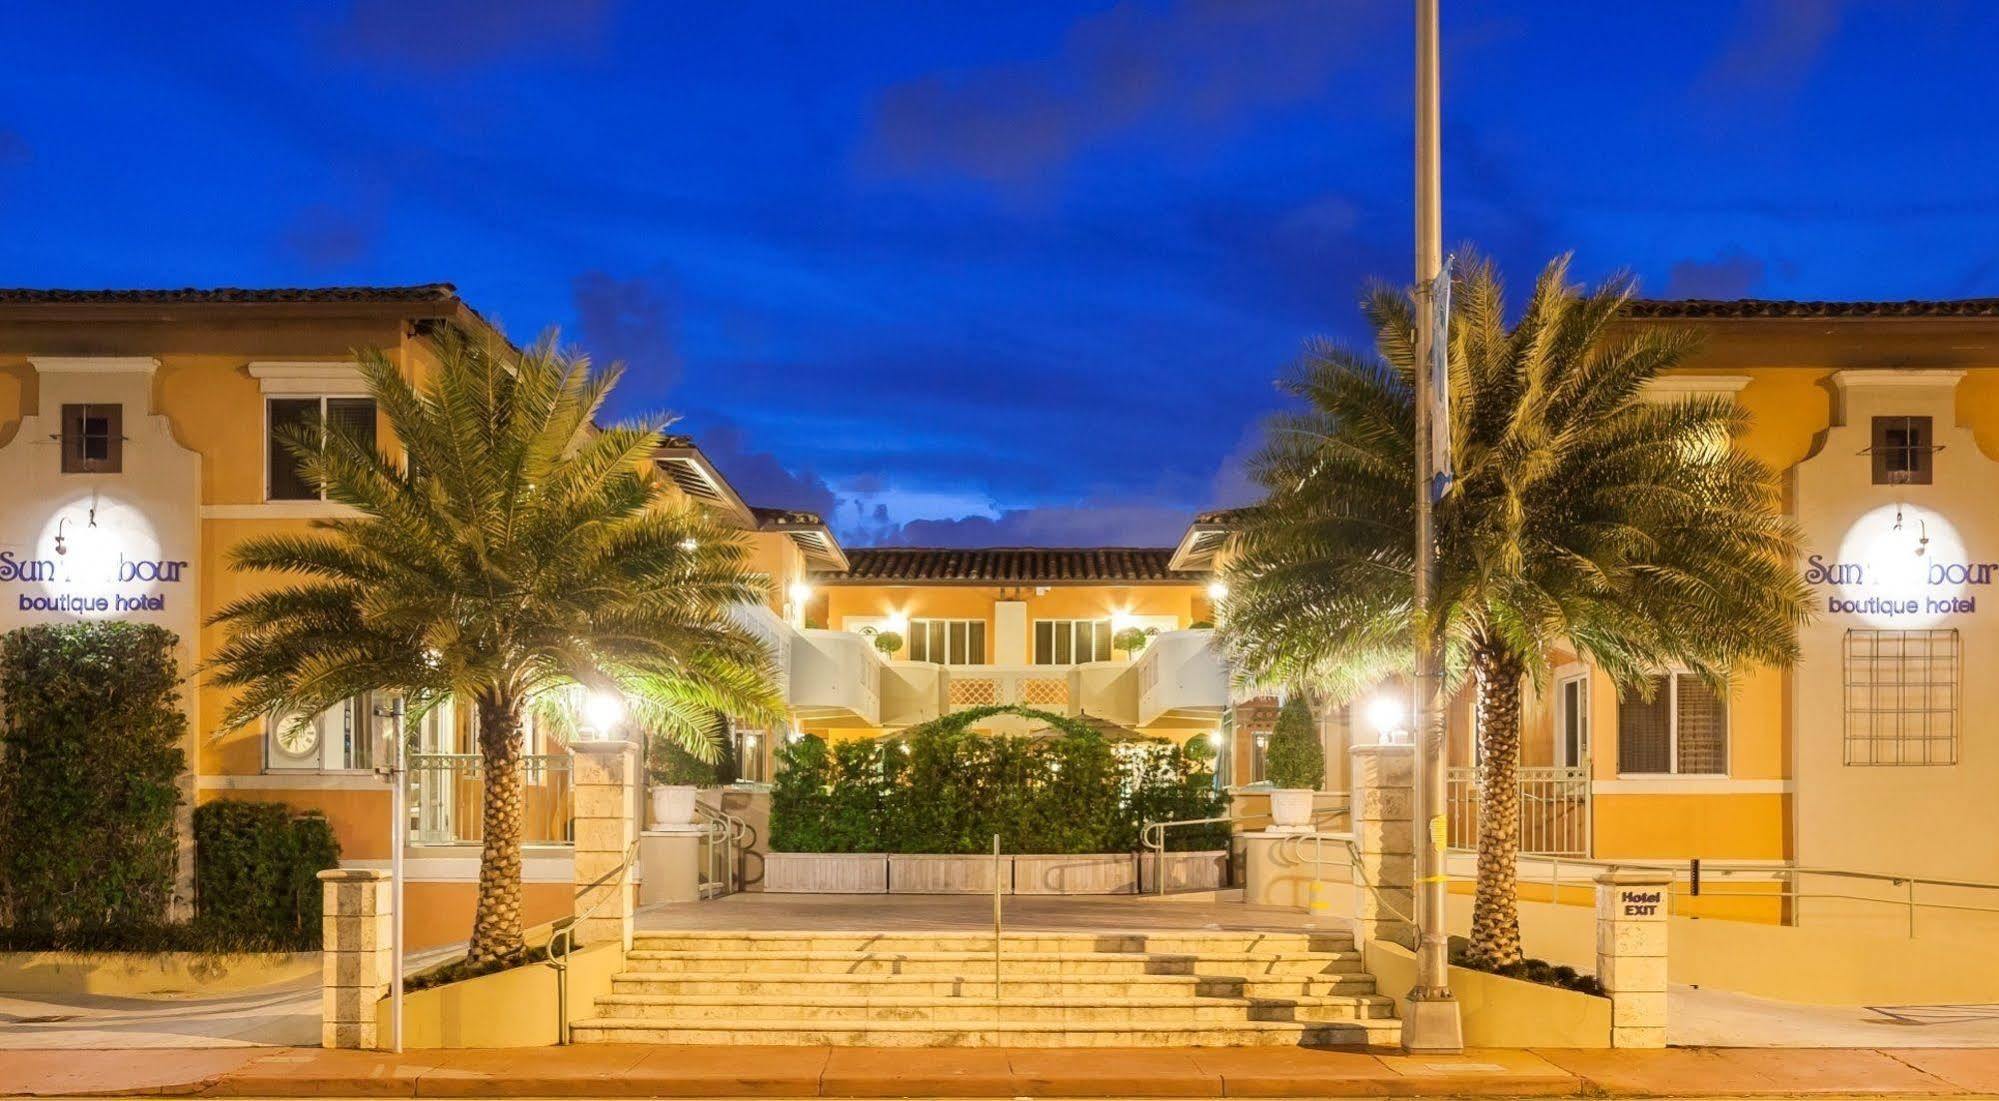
[977,273]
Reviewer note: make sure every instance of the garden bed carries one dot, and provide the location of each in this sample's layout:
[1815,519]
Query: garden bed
[142,974]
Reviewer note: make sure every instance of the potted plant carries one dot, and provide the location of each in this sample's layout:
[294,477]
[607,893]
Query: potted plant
[1295,764]
[676,776]
[1131,640]
[889,643]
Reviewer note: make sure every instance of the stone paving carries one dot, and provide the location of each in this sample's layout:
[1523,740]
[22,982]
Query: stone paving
[611,1071]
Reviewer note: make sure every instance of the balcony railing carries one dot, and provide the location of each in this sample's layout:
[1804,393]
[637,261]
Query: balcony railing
[776,635]
[1554,810]
[836,677]
[1046,687]
[448,798]
[1181,676]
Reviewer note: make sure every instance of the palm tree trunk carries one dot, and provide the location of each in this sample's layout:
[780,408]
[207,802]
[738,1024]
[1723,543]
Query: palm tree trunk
[1495,923]
[496,925]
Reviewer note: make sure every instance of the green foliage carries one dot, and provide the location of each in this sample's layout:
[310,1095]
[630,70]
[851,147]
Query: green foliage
[1526,970]
[670,763]
[199,935]
[1294,758]
[945,788]
[889,642]
[1583,514]
[1131,640]
[256,870]
[89,758]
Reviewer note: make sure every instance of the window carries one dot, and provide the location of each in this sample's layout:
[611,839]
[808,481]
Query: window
[93,439]
[1259,756]
[1071,641]
[1681,731]
[286,416]
[1901,697]
[1902,447]
[751,759]
[948,641]
[1572,720]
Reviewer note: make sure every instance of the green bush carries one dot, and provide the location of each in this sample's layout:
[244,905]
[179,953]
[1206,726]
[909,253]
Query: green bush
[89,758]
[256,870]
[1294,758]
[672,764]
[944,788]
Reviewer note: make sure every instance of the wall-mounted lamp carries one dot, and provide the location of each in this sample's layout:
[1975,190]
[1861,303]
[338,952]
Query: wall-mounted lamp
[1389,715]
[1218,591]
[799,592]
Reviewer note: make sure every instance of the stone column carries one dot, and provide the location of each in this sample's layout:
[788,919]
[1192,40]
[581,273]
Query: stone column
[1384,780]
[1631,954]
[358,955]
[670,857]
[604,777]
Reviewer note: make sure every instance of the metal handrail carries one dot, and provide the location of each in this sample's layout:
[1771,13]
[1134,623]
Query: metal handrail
[730,833]
[1152,835]
[1292,847]
[565,935]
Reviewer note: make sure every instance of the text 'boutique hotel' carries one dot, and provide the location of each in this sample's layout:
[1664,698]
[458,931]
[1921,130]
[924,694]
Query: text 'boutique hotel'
[139,442]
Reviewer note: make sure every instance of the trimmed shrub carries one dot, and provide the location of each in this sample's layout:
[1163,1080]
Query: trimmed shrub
[256,870]
[92,733]
[1294,757]
[945,788]
[672,764]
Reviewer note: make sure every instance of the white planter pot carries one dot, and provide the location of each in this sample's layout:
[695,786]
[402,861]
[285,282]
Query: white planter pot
[673,805]
[1291,810]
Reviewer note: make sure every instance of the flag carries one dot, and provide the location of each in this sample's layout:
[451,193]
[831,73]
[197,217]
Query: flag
[1439,321]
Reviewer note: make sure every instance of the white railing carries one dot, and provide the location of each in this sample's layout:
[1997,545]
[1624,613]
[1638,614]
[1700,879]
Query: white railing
[776,635]
[1180,673]
[836,676]
[1554,810]
[1046,687]
[447,793]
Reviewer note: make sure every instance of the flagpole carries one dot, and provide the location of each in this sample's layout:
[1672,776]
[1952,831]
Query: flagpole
[1431,1022]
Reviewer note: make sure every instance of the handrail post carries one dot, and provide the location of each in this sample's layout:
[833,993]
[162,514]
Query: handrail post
[996,940]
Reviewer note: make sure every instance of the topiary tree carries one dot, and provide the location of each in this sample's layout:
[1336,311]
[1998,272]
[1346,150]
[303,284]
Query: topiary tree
[1131,640]
[889,643]
[1294,758]
[89,758]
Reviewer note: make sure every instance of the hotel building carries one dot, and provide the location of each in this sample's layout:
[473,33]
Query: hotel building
[137,428]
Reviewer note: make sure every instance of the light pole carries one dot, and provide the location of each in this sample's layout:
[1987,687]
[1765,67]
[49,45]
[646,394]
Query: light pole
[1432,1022]
[399,820]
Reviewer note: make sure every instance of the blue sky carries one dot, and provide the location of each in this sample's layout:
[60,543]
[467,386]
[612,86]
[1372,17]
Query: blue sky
[980,273]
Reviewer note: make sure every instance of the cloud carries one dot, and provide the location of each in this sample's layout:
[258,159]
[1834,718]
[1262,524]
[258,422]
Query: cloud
[1193,68]
[1051,526]
[326,236]
[464,34]
[760,477]
[1733,274]
[1773,48]
[630,321]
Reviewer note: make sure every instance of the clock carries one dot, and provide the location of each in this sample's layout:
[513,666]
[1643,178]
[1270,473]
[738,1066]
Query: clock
[296,738]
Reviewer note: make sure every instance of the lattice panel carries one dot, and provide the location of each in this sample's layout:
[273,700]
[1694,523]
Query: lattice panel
[1044,692]
[974,692]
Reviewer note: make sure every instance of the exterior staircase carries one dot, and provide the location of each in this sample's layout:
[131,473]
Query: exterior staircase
[822,988]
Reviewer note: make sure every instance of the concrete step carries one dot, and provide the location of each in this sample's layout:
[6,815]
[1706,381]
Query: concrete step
[808,1033]
[811,985]
[972,964]
[860,1011]
[1194,942]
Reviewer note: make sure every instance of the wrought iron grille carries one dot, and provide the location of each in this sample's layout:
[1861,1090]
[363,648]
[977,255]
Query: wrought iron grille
[1901,696]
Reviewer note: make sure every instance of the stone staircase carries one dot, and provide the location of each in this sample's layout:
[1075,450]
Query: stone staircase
[1167,989]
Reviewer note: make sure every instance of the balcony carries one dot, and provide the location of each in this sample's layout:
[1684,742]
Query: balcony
[835,679]
[1182,680]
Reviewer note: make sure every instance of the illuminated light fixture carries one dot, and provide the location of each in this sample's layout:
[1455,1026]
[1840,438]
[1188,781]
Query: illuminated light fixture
[1218,738]
[61,547]
[603,710]
[898,622]
[799,592]
[1922,528]
[1120,619]
[1390,716]
[690,545]
[1218,591]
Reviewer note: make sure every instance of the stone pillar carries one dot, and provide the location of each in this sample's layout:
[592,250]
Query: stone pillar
[358,956]
[604,777]
[1384,780]
[1631,954]
[670,857]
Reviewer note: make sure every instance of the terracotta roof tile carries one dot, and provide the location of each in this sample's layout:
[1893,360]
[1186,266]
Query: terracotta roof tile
[1700,308]
[1008,565]
[421,292]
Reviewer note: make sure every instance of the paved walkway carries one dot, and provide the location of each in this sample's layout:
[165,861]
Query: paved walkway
[607,1071]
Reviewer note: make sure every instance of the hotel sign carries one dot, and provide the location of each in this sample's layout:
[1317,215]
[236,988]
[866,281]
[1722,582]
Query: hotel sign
[1846,578]
[1900,566]
[96,557]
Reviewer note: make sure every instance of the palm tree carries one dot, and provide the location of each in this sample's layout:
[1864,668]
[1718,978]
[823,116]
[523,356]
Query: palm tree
[1583,516]
[518,552]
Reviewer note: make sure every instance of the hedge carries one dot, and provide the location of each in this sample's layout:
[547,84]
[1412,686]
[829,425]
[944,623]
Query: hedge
[948,789]
[1294,758]
[257,870]
[92,731]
